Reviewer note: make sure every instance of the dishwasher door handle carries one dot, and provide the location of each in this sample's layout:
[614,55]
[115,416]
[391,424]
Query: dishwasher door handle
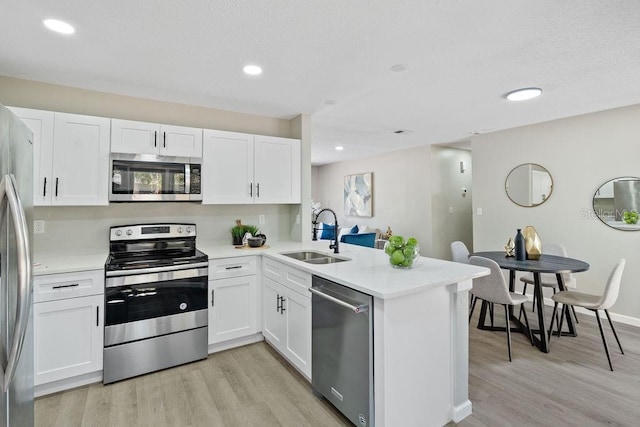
[356,308]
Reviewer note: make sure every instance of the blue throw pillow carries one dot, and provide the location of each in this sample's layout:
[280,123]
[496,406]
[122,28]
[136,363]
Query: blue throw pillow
[328,231]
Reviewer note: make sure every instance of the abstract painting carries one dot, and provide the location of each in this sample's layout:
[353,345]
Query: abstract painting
[358,194]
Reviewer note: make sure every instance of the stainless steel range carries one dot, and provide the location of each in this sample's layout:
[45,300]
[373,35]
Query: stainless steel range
[155,299]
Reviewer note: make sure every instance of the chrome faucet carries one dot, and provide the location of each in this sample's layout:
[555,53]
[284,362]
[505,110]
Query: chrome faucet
[333,245]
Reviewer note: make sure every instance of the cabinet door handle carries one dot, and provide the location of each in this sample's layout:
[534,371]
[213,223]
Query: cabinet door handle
[66,286]
[98,316]
[155,138]
[56,186]
[44,187]
[282,309]
[164,139]
[233,267]
[278,303]
[258,190]
[213,297]
[250,189]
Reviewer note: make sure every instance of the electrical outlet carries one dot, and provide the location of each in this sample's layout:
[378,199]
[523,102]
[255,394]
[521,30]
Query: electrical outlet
[450,209]
[298,219]
[261,219]
[38,226]
[478,211]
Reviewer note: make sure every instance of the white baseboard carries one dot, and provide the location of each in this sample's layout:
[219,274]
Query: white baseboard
[620,318]
[238,342]
[460,412]
[67,383]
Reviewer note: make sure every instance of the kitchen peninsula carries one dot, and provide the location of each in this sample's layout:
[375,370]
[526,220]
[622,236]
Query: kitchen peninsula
[419,319]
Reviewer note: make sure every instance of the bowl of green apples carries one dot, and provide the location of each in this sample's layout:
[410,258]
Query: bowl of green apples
[630,217]
[402,253]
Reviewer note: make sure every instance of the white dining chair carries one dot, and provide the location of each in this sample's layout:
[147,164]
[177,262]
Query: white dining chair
[548,280]
[593,303]
[494,289]
[460,253]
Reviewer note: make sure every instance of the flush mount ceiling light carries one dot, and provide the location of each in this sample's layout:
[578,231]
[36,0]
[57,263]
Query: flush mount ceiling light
[398,68]
[252,70]
[524,94]
[58,26]
[339,148]
[330,102]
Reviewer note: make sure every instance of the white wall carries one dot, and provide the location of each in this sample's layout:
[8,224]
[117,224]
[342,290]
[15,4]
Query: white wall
[580,153]
[401,192]
[446,195]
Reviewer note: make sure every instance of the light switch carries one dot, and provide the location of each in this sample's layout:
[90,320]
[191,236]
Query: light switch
[478,211]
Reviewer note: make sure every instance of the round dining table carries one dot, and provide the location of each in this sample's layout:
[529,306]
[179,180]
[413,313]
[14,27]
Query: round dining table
[553,264]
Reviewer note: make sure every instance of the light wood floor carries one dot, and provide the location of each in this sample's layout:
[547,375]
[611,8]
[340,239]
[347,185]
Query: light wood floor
[254,386]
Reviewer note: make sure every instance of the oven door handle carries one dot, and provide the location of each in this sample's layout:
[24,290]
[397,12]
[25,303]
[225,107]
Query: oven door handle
[156,269]
[164,276]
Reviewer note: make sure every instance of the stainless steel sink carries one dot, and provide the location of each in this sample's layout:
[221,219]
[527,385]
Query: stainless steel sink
[313,257]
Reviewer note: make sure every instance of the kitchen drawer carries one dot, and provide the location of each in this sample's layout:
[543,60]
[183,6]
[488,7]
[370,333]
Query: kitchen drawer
[232,267]
[291,277]
[51,287]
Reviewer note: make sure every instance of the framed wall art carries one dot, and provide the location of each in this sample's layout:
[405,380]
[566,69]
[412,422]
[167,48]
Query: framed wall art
[358,195]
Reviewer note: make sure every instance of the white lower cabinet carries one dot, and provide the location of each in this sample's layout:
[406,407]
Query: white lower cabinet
[233,308]
[68,325]
[233,298]
[287,313]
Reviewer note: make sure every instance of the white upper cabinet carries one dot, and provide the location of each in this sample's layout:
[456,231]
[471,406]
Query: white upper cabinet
[152,138]
[239,168]
[277,170]
[41,124]
[227,167]
[70,157]
[80,171]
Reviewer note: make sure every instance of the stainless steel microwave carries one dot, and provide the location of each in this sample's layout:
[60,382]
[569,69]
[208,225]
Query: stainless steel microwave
[150,178]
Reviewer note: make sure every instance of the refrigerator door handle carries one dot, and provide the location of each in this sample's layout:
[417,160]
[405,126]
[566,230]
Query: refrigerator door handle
[8,190]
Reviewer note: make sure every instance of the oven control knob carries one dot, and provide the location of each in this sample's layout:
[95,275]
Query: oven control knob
[179,229]
[129,232]
[189,230]
[119,233]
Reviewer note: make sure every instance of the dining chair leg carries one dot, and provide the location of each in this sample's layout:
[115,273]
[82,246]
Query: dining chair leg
[491,312]
[506,315]
[526,322]
[604,340]
[575,316]
[533,303]
[471,298]
[473,307]
[553,318]
[614,330]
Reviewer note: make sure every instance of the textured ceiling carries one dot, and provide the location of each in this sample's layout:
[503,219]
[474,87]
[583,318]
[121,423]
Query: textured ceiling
[461,57]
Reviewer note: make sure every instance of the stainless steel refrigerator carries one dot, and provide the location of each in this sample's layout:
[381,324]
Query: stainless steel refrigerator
[16,289]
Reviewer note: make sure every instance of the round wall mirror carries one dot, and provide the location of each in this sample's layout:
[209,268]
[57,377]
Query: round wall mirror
[529,185]
[617,203]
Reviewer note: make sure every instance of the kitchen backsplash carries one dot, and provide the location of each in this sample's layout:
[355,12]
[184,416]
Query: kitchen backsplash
[76,230]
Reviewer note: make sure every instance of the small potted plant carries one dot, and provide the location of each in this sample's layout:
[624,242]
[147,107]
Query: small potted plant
[239,230]
[237,233]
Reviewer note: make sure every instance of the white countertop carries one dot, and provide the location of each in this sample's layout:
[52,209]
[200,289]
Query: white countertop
[368,270]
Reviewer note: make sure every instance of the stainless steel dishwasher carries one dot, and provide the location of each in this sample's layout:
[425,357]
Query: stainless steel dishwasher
[342,349]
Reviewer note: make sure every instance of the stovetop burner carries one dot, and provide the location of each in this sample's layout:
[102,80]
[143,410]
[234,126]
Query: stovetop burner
[143,246]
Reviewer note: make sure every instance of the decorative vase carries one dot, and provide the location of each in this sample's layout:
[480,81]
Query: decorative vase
[402,254]
[521,253]
[510,247]
[532,242]
[237,240]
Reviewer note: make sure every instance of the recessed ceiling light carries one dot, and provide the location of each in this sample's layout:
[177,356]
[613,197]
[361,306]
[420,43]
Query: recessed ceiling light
[58,26]
[252,70]
[399,67]
[524,94]
[339,148]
